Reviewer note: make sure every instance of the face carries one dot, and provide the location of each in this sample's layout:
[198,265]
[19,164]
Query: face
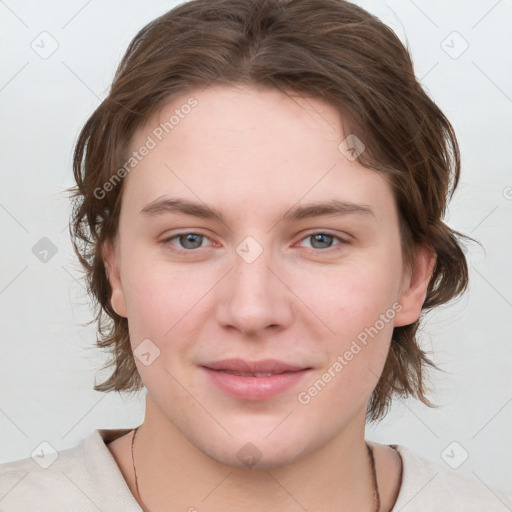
[267,321]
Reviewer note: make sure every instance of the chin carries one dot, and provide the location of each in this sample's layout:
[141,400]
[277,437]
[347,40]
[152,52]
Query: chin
[253,457]
[256,449]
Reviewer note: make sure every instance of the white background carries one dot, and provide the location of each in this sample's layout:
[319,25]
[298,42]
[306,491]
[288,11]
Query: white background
[48,359]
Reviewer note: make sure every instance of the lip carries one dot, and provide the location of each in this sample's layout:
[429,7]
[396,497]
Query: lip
[283,376]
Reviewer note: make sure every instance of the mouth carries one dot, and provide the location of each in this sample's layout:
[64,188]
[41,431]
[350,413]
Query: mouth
[246,374]
[254,380]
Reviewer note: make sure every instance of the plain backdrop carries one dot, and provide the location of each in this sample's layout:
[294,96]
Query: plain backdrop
[58,59]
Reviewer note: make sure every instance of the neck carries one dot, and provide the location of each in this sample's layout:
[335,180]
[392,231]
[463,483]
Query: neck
[171,470]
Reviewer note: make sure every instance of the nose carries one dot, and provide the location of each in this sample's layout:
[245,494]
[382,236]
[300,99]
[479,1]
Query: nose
[253,296]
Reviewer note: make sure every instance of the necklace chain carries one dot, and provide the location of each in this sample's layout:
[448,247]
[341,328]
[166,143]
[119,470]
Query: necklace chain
[376,495]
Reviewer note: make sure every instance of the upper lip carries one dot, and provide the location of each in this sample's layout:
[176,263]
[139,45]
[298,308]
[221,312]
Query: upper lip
[264,366]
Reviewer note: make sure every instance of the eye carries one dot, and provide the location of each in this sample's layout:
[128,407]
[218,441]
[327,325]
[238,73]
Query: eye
[323,240]
[187,241]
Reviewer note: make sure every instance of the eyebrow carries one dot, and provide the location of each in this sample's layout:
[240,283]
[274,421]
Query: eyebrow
[333,207]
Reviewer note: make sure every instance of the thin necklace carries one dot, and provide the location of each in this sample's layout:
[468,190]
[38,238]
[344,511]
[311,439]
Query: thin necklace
[376,495]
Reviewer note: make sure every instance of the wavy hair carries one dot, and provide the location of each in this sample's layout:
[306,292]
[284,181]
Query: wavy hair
[329,49]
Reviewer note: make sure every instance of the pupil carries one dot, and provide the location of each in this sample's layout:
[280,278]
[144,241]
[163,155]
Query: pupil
[191,238]
[319,237]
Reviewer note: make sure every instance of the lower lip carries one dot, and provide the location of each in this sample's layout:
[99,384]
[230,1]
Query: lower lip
[255,388]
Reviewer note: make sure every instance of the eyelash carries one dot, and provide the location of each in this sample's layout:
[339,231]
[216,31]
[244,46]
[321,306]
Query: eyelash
[335,248]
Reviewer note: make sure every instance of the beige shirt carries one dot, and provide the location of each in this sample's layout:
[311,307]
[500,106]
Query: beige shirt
[86,478]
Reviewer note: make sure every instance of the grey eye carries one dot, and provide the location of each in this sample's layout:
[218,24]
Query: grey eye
[190,240]
[319,240]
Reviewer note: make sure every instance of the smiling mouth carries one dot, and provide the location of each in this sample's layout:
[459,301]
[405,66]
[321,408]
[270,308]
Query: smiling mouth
[251,374]
[263,368]
[254,380]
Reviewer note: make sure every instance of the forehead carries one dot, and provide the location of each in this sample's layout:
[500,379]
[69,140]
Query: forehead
[243,147]
[245,118]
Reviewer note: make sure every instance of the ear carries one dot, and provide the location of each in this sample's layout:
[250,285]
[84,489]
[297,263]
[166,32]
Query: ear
[414,286]
[110,255]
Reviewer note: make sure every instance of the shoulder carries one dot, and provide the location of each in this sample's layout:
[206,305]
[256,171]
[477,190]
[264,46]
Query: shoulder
[83,478]
[25,483]
[428,486]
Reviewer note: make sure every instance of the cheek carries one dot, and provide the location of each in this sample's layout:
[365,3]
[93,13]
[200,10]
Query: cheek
[154,307]
[355,295]
[163,300]
[163,306]
[360,309]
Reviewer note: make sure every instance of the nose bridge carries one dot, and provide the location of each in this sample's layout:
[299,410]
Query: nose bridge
[251,274]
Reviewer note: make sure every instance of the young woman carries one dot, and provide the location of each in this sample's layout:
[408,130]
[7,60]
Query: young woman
[259,210]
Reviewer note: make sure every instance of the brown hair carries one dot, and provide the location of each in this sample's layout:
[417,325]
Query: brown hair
[329,49]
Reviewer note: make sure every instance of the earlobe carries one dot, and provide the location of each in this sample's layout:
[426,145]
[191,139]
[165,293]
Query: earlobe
[110,259]
[415,287]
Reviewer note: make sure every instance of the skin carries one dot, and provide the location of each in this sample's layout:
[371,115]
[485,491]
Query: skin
[253,154]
